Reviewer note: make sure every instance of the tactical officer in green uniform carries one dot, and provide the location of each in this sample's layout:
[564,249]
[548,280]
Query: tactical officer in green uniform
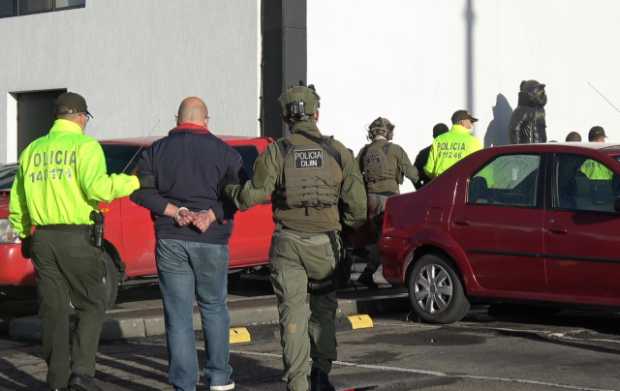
[314,185]
[383,165]
[453,146]
[61,179]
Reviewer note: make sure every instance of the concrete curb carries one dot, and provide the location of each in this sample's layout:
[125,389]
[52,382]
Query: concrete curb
[258,315]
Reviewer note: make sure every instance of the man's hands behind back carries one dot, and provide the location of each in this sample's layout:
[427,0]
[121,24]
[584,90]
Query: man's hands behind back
[201,220]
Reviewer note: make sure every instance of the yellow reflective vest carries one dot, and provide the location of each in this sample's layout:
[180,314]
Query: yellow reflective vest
[62,177]
[449,148]
[594,170]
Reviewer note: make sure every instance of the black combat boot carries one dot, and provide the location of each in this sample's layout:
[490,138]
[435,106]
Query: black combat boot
[319,381]
[365,278]
[83,383]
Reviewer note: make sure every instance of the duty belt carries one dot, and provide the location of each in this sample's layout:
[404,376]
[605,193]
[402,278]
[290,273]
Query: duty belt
[65,227]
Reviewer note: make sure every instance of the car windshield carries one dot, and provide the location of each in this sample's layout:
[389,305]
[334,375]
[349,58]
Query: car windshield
[119,159]
[7,174]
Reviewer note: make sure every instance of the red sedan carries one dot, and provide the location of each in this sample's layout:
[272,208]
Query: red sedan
[128,227]
[535,222]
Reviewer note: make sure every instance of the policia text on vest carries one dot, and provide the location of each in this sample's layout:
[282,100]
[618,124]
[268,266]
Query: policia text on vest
[449,148]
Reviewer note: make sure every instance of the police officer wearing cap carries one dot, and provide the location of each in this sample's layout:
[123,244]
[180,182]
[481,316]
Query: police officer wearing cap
[452,146]
[592,169]
[383,165]
[315,186]
[61,180]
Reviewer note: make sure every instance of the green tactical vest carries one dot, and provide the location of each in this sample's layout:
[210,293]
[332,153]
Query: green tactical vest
[312,173]
[376,165]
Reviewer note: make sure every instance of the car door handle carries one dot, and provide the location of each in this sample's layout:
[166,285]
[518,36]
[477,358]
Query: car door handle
[463,223]
[558,230]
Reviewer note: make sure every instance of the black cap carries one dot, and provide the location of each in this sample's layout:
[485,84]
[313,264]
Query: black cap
[461,115]
[440,129]
[71,103]
[596,132]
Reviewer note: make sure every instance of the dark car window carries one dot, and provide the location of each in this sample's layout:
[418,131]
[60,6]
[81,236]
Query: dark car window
[584,184]
[7,175]
[249,155]
[508,180]
[120,158]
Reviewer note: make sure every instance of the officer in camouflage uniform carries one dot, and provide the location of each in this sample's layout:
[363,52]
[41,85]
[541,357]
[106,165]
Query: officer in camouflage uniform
[383,165]
[314,185]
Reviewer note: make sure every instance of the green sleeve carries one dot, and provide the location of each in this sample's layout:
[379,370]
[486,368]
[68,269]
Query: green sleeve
[259,189]
[358,160]
[92,176]
[18,209]
[352,194]
[405,166]
[429,167]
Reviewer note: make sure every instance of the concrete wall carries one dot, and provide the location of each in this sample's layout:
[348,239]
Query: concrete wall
[134,60]
[416,62]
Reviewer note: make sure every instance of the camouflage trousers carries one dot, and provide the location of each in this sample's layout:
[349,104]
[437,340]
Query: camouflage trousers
[376,207]
[295,257]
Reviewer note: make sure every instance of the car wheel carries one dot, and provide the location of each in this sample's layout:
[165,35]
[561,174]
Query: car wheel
[435,291]
[112,281]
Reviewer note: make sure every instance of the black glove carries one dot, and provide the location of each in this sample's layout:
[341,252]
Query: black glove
[27,247]
[146,181]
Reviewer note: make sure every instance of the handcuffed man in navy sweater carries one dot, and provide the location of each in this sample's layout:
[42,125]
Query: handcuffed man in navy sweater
[193,223]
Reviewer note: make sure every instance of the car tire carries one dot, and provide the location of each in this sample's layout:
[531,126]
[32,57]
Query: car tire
[112,281]
[435,290]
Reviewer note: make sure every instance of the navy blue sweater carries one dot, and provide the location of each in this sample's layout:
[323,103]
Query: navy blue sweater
[191,167]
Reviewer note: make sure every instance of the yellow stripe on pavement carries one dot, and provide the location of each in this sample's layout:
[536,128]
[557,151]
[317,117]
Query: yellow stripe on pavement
[361,321]
[239,335]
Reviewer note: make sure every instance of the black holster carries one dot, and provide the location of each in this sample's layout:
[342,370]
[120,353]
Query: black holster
[97,229]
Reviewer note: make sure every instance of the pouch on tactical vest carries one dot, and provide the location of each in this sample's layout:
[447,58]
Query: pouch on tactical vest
[376,165]
[312,173]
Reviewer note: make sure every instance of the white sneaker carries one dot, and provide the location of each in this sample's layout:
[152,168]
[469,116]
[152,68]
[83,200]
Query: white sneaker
[223,387]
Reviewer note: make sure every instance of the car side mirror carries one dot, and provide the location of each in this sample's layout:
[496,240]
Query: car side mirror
[617,204]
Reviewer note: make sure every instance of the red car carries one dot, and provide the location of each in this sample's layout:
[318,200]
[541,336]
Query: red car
[128,227]
[534,222]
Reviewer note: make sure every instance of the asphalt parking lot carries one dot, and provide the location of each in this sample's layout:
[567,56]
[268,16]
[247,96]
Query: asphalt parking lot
[506,348]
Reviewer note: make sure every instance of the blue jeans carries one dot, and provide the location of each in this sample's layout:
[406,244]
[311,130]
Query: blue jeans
[189,270]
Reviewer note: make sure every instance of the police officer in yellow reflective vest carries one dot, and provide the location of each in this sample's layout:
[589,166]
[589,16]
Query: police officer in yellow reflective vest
[453,146]
[592,169]
[383,165]
[61,179]
[314,185]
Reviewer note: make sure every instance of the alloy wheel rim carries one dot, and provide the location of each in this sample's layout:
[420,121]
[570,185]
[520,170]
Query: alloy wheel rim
[433,288]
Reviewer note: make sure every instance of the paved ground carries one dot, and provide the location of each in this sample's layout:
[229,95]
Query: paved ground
[482,353]
[513,348]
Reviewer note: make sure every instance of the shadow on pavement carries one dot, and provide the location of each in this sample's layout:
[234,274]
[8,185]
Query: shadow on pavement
[603,321]
[13,378]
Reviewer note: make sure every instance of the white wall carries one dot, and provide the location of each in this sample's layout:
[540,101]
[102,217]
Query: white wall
[406,60]
[134,60]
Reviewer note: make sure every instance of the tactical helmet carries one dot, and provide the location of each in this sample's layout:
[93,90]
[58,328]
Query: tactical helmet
[381,127]
[299,103]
